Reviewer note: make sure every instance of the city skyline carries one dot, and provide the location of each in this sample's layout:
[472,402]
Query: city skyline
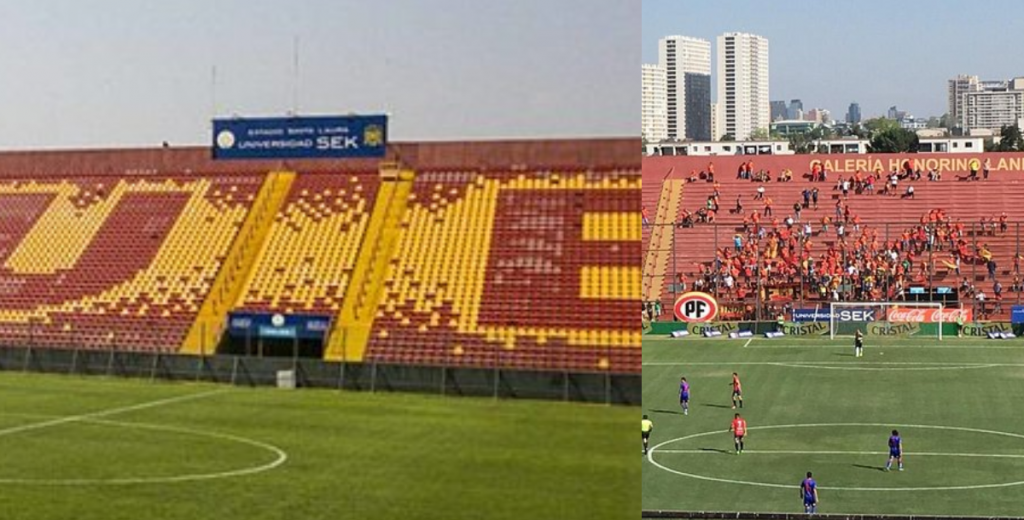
[863,56]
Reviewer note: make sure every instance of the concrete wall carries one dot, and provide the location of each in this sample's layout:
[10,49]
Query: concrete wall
[657,168]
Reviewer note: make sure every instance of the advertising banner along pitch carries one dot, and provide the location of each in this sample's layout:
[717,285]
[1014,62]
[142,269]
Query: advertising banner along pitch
[926,315]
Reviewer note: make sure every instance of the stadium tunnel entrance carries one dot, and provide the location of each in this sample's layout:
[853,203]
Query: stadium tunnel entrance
[272,347]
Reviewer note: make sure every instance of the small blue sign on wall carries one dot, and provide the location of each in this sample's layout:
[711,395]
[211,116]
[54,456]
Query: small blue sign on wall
[270,325]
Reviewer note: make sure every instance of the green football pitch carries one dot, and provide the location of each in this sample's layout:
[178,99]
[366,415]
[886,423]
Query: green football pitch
[810,405]
[95,448]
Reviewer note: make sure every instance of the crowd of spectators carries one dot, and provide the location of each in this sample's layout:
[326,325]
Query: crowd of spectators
[858,183]
[858,262]
[775,259]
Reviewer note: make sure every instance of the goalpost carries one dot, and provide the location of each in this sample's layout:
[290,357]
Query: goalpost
[847,317]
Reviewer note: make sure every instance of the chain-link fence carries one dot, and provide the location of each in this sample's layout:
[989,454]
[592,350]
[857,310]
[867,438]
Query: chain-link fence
[484,380]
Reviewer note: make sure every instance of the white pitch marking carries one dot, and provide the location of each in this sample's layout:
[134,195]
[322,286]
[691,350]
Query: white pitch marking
[872,453]
[915,368]
[280,457]
[107,413]
[748,342]
[650,457]
[834,364]
[972,347]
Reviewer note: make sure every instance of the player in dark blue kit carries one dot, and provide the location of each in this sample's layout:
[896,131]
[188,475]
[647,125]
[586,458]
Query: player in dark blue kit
[895,450]
[809,491]
[684,395]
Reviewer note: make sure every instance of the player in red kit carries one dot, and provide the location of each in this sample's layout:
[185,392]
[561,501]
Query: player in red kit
[739,431]
[737,391]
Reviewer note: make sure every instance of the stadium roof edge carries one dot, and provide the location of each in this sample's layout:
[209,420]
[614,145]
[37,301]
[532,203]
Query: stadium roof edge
[596,152]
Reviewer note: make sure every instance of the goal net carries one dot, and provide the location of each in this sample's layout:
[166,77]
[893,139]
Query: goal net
[889,319]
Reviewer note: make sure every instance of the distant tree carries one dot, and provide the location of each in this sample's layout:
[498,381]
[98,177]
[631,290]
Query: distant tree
[760,134]
[859,131]
[880,124]
[1010,140]
[894,140]
[822,132]
[727,137]
[933,122]
[945,121]
[801,143]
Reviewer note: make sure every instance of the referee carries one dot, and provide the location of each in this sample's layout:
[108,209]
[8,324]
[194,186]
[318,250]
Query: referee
[646,427]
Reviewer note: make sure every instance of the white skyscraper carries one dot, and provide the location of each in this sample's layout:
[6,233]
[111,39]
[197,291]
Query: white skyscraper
[716,122]
[687,65]
[654,111]
[743,83]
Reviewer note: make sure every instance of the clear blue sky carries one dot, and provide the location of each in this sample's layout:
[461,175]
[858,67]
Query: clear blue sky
[879,53]
[133,72]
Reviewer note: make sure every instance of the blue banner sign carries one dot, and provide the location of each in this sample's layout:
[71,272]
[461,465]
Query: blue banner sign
[300,137]
[810,314]
[1017,314]
[844,314]
[269,325]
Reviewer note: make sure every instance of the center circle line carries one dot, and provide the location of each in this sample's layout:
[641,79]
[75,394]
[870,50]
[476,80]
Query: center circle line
[656,448]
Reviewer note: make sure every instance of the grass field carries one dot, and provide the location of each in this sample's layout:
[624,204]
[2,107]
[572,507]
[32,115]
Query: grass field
[94,448]
[811,406]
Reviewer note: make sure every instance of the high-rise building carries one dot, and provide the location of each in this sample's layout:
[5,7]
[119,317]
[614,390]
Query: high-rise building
[716,122]
[778,110]
[992,105]
[959,86]
[897,114]
[687,65]
[853,113]
[818,115]
[743,83]
[654,111]
[795,112]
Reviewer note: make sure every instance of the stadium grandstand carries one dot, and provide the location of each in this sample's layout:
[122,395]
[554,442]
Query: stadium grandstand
[513,256]
[768,234]
[860,298]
